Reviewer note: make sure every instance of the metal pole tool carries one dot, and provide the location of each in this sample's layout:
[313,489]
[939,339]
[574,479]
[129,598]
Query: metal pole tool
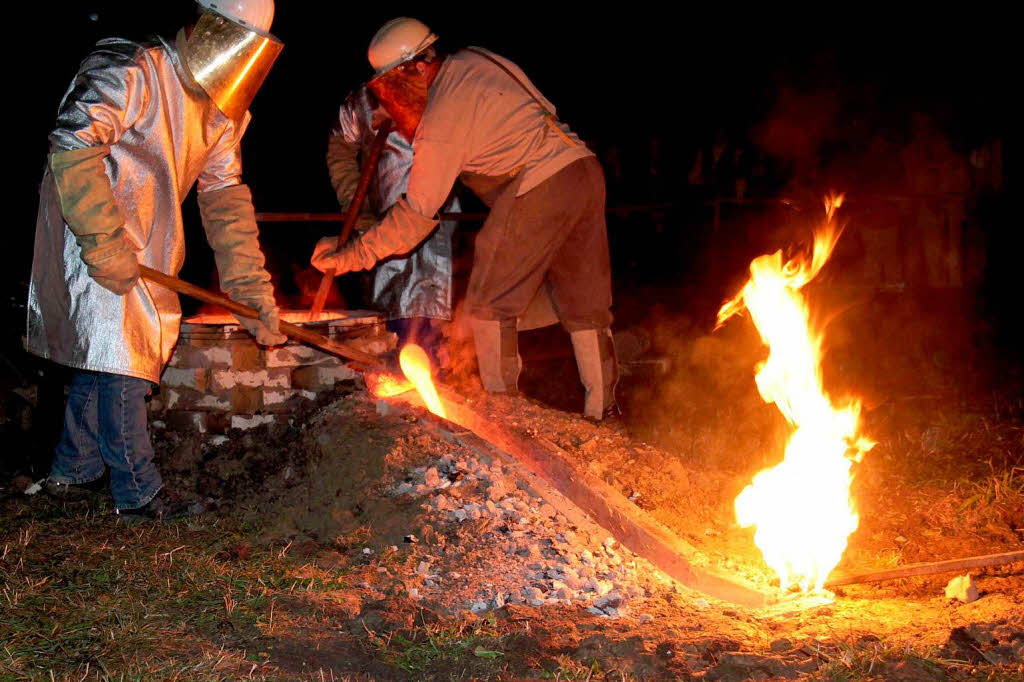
[369,168]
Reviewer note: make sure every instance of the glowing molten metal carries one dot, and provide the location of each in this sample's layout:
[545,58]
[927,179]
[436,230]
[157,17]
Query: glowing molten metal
[416,366]
[386,385]
[219,316]
[801,508]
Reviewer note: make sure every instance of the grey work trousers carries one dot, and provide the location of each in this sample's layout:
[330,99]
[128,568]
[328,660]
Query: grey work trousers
[555,236]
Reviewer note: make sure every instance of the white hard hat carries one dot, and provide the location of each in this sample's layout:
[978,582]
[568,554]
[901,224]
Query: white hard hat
[253,14]
[397,42]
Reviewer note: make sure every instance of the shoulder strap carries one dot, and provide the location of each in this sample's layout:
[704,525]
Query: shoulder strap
[549,117]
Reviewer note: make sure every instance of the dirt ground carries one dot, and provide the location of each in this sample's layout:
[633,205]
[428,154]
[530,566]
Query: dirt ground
[361,543]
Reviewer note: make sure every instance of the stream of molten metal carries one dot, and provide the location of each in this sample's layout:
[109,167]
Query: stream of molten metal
[801,509]
[416,367]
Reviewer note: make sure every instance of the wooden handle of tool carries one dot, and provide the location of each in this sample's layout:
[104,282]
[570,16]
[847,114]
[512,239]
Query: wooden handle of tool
[294,331]
[356,205]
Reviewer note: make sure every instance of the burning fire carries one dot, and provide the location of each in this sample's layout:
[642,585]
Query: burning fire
[416,366]
[801,508]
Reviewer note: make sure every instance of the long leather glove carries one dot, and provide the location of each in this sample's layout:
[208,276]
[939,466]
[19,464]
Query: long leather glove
[400,231]
[90,210]
[230,223]
[343,167]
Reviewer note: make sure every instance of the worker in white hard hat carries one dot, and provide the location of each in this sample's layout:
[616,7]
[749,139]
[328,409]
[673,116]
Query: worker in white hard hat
[415,291]
[138,127]
[475,116]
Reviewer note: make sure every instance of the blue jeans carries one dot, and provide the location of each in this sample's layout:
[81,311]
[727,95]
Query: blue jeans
[105,427]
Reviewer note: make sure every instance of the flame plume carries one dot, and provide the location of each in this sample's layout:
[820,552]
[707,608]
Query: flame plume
[801,508]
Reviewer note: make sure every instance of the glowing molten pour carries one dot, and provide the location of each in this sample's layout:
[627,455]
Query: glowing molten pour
[801,508]
[386,385]
[416,366]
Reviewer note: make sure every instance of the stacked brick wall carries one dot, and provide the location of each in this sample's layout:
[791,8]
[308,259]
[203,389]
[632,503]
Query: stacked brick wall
[219,377]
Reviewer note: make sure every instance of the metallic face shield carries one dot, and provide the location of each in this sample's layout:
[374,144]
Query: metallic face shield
[229,61]
[403,96]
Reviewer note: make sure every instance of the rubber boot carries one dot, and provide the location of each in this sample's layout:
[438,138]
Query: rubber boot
[599,371]
[497,354]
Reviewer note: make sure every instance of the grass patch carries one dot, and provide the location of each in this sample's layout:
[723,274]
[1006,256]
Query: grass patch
[81,593]
[571,669]
[468,648]
[879,660]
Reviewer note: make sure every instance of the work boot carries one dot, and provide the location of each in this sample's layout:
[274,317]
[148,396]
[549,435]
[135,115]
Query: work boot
[165,506]
[497,354]
[73,492]
[599,371]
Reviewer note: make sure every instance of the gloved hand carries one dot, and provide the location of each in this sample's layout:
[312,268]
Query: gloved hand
[266,329]
[91,212]
[399,232]
[365,221]
[113,265]
[230,223]
[326,256]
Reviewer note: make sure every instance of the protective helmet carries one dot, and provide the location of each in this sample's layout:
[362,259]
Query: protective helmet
[256,15]
[397,42]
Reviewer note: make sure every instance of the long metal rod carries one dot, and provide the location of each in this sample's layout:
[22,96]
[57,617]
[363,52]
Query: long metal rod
[307,217]
[355,206]
[323,217]
[927,568]
[292,330]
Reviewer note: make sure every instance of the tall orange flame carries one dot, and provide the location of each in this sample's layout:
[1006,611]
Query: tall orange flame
[801,508]
[416,366]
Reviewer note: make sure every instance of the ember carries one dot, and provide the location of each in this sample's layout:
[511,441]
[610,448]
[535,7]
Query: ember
[801,508]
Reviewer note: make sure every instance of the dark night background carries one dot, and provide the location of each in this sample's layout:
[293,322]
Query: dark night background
[641,84]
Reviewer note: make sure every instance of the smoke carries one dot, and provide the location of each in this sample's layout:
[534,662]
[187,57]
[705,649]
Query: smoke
[796,129]
[461,366]
[707,409]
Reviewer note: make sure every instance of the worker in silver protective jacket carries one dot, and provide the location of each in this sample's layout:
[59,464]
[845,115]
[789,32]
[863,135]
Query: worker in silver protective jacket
[415,292]
[476,117]
[138,127]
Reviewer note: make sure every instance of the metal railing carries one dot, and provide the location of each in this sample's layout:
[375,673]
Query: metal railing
[960,198]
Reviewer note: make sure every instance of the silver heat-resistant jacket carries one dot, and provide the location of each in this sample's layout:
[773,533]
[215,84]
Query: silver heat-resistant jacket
[419,284]
[164,135]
